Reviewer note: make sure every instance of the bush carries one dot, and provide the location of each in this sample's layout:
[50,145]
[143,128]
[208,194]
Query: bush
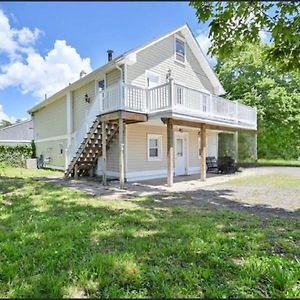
[15,156]
[246,146]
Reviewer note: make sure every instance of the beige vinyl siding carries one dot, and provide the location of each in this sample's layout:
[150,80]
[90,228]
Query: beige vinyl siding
[80,106]
[159,58]
[113,156]
[194,160]
[51,120]
[137,160]
[137,151]
[51,149]
[113,77]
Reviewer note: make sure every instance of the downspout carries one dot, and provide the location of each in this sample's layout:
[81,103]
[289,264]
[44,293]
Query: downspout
[125,127]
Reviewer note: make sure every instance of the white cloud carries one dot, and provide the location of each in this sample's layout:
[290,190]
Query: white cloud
[30,71]
[205,42]
[4,116]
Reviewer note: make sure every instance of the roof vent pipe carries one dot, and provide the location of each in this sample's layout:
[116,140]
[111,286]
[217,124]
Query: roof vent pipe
[109,55]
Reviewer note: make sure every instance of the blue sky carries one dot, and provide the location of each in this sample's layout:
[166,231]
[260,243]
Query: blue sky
[45,44]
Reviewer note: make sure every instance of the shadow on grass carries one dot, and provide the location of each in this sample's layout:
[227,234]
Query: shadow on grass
[57,242]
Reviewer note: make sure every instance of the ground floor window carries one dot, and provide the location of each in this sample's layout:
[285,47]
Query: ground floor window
[154,147]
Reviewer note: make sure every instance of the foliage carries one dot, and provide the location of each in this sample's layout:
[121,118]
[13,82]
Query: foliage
[246,146]
[15,155]
[33,147]
[249,79]
[234,21]
[5,123]
[58,242]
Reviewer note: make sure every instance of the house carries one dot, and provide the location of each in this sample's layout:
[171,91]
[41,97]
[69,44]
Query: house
[152,112]
[17,134]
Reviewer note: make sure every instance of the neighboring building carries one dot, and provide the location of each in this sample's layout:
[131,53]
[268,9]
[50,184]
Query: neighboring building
[148,113]
[17,134]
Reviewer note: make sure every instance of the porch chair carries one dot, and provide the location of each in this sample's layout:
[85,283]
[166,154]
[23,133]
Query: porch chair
[211,164]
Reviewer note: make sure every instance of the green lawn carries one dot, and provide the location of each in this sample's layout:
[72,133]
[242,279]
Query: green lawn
[56,242]
[278,162]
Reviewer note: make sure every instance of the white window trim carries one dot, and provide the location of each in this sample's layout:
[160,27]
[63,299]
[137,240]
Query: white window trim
[148,72]
[183,40]
[159,138]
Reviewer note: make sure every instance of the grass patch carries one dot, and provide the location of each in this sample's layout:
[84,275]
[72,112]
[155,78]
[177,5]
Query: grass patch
[26,173]
[277,180]
[57,242]
[278,162]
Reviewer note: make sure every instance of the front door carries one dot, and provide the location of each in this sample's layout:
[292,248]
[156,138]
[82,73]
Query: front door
[180,156]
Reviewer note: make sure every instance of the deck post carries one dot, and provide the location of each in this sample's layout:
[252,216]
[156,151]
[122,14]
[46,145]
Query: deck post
[170,151]
[103,146]
[91,172]
[76,171]
[121,153]
[236,145]
[255,145]
[203,152]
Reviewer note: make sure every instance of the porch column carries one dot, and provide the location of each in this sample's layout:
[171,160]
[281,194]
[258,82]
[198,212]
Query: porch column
[203,152]
[255,145]
[121,153]
[236,145]
[103,146]
[170,151]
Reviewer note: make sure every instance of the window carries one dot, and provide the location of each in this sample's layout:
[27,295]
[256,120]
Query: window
[179,49]
[154,147]
[179,147]
[101,85]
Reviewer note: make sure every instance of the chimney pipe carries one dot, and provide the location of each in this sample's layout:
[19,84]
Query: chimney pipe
[109,55]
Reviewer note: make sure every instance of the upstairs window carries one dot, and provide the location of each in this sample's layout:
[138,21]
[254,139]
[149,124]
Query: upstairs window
[180,49]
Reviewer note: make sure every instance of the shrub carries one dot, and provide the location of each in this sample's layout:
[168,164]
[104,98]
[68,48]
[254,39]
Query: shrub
[15,156]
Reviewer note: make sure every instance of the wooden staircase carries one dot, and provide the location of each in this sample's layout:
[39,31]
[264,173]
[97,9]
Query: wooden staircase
[90,149]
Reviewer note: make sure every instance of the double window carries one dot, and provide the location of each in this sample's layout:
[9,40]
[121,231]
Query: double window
[180,49]
[154,147]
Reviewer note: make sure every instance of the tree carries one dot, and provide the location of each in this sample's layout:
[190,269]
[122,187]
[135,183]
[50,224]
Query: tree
[249,79]
[235,21]
[4,123]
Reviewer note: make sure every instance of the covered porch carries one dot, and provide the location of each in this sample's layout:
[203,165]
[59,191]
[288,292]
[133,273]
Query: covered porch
[171,122]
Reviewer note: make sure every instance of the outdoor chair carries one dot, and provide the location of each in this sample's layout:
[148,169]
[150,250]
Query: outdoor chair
[227,164]
[211,164]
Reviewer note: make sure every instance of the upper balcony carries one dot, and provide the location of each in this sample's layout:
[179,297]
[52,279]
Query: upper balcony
[178,100]
[169,99]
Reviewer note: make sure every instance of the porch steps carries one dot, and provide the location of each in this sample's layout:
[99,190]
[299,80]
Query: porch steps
[91,148]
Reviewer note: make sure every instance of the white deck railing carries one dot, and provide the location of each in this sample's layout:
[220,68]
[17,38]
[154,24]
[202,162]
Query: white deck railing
[168,96]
